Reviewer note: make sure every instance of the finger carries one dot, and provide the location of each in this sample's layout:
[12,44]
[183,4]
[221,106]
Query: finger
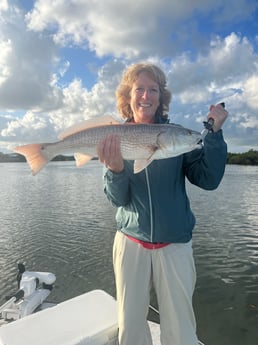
[220,111]
[222,105]
[116,151]
[100,149]
[107,150]
[103,150]
[217,110]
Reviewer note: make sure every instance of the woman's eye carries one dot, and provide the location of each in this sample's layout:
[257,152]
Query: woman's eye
[142,90]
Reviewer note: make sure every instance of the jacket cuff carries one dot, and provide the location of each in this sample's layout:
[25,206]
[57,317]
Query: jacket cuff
[113,176]
[214,136]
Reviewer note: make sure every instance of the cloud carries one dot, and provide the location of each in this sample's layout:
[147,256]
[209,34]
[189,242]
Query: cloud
[251,93]
[227,62]
[78,104]
[27,60]
[31,126]
[134,29]
[3,5]
[6,51]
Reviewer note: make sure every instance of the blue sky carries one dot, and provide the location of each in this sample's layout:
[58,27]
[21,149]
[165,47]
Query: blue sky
[61,61]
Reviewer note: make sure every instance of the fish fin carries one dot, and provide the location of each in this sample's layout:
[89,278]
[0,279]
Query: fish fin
[94,122]
[34,156]
[81,159]
[141,164]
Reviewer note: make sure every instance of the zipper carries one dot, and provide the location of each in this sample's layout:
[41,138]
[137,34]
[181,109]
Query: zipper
[150,202]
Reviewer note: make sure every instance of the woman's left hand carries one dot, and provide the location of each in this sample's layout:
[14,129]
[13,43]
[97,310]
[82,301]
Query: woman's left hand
[219,115]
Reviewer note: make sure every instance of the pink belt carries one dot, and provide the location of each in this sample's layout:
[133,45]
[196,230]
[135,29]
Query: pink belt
[149,245]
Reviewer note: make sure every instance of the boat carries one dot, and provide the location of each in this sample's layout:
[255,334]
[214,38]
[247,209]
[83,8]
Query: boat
[88,319]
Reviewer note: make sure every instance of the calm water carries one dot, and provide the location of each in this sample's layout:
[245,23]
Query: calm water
[60,221]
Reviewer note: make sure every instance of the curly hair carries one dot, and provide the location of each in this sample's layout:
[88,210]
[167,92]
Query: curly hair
[130,75]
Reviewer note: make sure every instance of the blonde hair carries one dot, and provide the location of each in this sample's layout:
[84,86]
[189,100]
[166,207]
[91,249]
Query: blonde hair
[130,75]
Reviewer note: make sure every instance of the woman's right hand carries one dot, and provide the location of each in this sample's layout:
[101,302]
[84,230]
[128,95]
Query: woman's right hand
[109,153]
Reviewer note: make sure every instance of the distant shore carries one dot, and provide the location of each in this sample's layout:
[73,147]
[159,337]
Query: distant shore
[247,158]
[17,158]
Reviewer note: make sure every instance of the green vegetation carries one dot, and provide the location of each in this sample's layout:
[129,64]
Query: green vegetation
[15,157]
[247,158]
[7,158]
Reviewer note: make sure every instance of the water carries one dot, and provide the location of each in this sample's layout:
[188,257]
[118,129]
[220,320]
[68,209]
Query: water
[60,221]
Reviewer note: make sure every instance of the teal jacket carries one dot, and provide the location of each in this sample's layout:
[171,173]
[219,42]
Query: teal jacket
[153,205]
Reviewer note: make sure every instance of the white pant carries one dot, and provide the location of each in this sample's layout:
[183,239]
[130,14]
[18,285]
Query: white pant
[171,270]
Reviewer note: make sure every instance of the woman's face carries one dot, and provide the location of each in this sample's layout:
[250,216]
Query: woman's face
[145,95]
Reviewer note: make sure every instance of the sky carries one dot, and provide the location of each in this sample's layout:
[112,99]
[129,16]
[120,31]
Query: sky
[61,62]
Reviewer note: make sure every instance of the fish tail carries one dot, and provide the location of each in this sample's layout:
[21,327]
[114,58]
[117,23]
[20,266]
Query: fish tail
[35,156]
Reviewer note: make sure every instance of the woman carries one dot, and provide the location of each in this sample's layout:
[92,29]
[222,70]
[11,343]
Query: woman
[153,243]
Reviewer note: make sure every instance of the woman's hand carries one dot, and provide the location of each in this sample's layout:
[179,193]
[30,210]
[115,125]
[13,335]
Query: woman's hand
[219,115]
[109,153]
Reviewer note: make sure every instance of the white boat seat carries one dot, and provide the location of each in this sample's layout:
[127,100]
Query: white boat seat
[89,319]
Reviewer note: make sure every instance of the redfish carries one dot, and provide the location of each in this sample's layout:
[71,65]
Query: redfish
[142,143]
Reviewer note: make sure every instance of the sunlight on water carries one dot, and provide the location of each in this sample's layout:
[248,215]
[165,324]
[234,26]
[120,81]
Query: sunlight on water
[60,221]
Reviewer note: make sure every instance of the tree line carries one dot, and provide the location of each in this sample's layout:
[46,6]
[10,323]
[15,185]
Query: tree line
[246,158]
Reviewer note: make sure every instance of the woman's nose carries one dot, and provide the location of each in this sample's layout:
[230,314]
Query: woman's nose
[145,93]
